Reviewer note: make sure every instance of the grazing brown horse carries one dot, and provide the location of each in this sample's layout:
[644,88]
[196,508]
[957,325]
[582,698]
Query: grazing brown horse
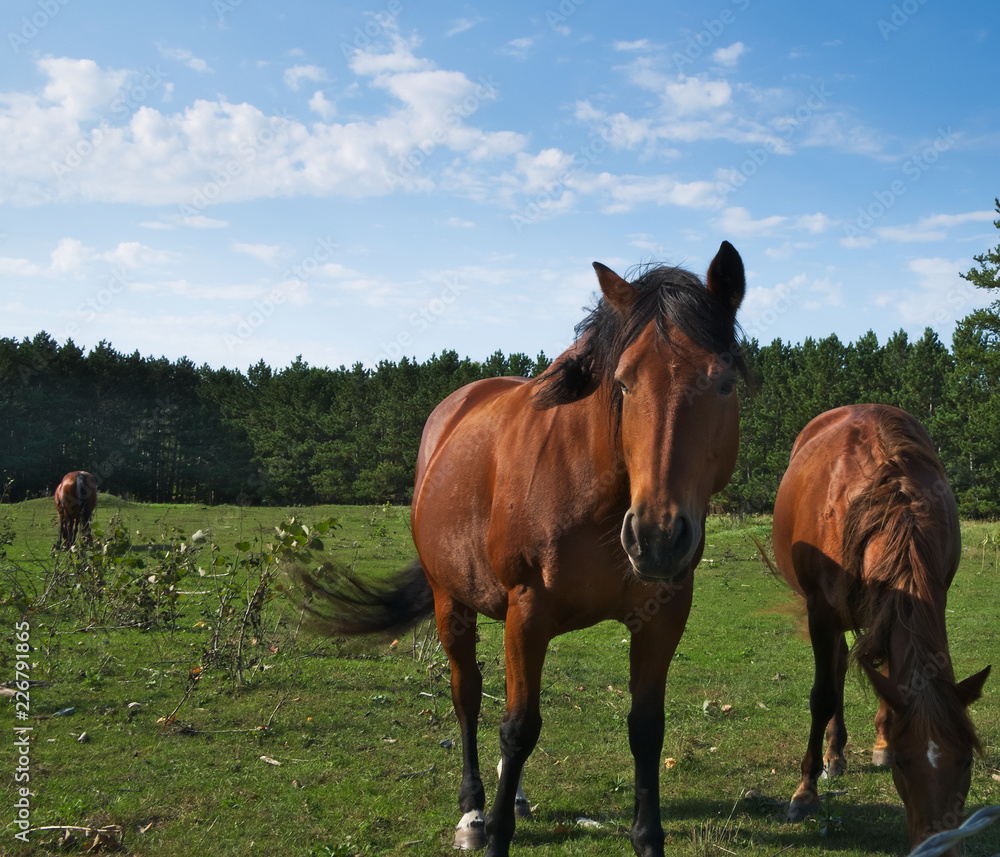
[555,503]
[866,530]
[76,499]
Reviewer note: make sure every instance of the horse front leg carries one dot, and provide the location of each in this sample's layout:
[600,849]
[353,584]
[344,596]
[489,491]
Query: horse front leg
[456,626]
[822,707]
[525,642]
[882,752]
[656,628]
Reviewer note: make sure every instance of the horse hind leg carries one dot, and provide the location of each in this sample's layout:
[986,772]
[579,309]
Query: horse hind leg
[834,761]
[456,626]
[522,809]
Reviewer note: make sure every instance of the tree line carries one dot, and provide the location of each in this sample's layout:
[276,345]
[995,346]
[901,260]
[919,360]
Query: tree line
[161,431]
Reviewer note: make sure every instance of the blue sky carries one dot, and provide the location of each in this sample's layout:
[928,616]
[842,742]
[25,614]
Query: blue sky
[242,181]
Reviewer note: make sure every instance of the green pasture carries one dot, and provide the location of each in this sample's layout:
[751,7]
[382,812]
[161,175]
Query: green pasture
[206,720]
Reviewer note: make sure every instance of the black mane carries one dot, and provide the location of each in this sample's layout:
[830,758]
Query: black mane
[665,293]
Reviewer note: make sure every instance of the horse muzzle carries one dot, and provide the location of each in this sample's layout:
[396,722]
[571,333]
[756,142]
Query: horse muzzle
[660,552]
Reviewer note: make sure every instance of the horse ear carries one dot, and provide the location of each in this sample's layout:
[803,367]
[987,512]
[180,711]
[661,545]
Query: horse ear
[726,278]
[616,291]
[971,688]
[883,687]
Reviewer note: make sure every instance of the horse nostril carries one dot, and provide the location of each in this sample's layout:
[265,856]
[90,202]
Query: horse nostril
[681,535]
[630,534]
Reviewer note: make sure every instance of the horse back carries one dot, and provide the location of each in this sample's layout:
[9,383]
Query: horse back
[509,496]
[847,463]
[450,413]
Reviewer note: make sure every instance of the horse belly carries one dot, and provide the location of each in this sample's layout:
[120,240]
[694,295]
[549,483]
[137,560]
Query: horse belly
[450,525]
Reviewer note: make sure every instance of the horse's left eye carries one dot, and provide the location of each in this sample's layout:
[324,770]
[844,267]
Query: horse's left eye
[727,386]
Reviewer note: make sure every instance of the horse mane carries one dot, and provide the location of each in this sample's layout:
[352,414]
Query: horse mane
[664,293]
[901,583]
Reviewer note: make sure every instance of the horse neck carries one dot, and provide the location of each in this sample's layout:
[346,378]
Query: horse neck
[595,434]
[918,644]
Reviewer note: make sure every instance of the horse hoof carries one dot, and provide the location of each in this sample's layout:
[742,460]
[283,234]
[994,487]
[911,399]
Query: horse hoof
[800,810]
[882,758]
[834,768]
[522,809]
[470,834]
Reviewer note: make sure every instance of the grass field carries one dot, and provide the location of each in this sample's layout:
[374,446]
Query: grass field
[224,728]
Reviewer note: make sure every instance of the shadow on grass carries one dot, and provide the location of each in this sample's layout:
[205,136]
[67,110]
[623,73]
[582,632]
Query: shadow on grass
[711,823]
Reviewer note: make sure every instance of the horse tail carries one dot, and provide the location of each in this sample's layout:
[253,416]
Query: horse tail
[339,603]
[82,490]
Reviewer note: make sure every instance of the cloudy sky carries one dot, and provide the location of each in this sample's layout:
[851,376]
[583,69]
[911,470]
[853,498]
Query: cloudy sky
[241,181]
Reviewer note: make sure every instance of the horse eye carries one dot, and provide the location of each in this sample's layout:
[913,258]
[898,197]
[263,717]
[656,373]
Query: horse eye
[623,386]
[727,386]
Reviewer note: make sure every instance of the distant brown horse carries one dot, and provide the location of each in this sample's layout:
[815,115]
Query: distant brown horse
[555,503]
[76,499]
[866,530]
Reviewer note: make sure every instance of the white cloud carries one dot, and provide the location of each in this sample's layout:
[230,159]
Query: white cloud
[731,55]
[697,95]
[400,59]
[70,256]
[637,45]
[297,73]
[200,221]
[132,254]
[938,296]
[79,88]
[626,192]
[267,253]
[217,151]
[736,221]
[463,24]
[189,59]
[858,242]
[932,228]
[518,48]
[814,223]
[827,294]
[319,104]
[764,305]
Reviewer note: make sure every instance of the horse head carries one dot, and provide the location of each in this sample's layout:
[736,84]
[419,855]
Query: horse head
[931,751]
[675,385]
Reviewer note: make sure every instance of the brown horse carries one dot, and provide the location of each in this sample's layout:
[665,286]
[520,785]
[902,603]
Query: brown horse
[555,503]
[76,499]
[866,530]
